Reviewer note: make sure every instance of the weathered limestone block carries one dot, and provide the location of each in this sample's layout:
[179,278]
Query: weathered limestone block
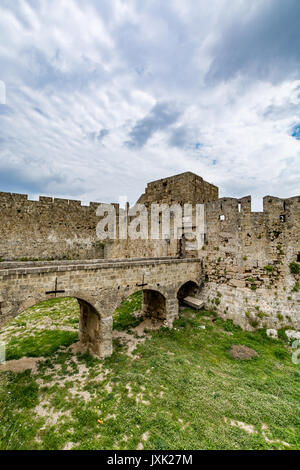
[272,333]
[193,302]
[236,283]
[291,334]
[106,346]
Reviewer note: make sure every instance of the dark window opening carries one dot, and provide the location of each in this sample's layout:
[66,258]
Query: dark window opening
[190,288]
[298,257]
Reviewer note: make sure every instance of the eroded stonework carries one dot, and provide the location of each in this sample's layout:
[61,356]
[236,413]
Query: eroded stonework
[245,263]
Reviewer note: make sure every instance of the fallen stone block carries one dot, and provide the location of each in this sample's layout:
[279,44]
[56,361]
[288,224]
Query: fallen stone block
[272,333]
[292,334]
[193,302]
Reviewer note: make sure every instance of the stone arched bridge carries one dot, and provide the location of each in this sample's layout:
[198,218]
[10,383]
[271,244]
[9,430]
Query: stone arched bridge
[100,286]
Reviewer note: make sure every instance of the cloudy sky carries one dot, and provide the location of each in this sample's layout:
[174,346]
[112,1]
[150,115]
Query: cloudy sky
[103,96]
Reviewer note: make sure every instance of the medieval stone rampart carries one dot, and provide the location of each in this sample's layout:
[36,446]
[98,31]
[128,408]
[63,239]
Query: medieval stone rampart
[247,261]
[47,229]
[247,256]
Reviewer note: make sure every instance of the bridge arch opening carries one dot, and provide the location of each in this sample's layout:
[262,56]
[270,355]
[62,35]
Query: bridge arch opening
[144,309]
[128,314]
[40,328]
[154,305]
[188,289]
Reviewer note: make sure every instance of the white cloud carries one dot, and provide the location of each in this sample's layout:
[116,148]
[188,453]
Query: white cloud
[83,78]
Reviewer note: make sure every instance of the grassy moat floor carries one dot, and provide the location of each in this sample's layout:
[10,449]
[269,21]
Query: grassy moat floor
[164,389]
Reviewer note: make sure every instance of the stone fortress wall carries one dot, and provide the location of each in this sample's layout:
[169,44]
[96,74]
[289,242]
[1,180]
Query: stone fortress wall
[246,256]
[185,188]
[47,229]
[53,228]
[179,189]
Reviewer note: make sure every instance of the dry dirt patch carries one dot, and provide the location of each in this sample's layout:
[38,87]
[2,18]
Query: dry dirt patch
[249,428]
[242,352]
[138,334]
[20,365]
[148,324]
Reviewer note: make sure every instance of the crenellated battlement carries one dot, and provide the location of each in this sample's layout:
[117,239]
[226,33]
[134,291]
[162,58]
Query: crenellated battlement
[48,228]
[16,199]
[246,256]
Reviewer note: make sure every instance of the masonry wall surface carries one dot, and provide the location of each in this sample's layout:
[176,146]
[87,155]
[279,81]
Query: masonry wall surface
[246,259]
[182,189]
[48,228]
[99,286]
[246,256]
[53,228]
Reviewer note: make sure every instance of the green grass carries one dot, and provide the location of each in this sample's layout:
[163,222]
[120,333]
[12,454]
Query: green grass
[123,318]
[295,268]
[30,334]
[269,268]
[43,343]
[182,392]
[296,287]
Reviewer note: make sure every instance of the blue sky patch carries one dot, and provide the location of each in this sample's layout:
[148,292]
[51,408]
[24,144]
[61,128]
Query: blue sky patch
[296,132]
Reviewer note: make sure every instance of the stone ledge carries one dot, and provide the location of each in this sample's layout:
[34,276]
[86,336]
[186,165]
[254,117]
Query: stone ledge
[6,273]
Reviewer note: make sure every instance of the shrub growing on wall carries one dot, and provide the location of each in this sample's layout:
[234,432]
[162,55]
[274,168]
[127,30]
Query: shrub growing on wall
[295,268]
